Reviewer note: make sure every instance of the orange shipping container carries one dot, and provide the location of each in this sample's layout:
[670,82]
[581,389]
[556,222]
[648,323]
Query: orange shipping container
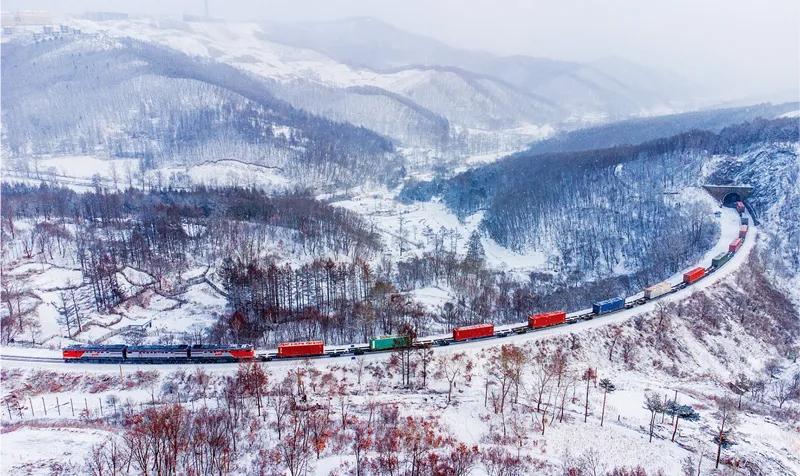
[301,349]
[473,332]
[547,319]
[693,275]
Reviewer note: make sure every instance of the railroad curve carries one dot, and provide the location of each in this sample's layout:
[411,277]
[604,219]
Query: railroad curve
[506,333]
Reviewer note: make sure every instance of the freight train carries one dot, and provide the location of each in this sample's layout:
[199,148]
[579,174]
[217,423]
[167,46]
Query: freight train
[317,348]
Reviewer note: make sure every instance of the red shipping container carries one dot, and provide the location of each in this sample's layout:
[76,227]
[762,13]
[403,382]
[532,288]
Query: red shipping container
[545,319]
[735,245]
[742,231]
[300,349]
[473,332]
[740,207]
[693,275]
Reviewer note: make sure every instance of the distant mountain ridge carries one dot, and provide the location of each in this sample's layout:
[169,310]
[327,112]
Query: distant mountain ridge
[612,86]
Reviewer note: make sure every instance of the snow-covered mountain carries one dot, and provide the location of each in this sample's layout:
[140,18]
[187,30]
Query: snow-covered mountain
[412,89]
[609,88]
[84,93]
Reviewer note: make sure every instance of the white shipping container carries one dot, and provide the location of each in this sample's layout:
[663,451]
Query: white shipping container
[657,290]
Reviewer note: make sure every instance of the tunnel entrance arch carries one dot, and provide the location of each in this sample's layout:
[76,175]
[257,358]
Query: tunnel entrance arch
[730,199]
[728,195]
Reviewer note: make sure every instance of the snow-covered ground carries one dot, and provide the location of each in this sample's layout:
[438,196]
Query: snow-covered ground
[84,172]
[622,440]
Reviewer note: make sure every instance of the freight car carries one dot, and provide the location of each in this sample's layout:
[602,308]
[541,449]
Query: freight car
[744,220]
[693,275]
[743,231]
[609,305]
[546,319]
[735,245]
[301,349]
[389,342]
[476,331]
[657,290]
[720,259]
[740,207]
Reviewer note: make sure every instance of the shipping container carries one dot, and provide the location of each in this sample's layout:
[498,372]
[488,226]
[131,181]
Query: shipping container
[720,259]
[545,319]
[740,207]
[389,342]
[745,221]
[743,231]
[735,245]
[693,275]
[301,349]
[473,332]
[657,290]
[608,305]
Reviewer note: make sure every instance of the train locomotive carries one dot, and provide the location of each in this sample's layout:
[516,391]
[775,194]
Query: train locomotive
[158,354]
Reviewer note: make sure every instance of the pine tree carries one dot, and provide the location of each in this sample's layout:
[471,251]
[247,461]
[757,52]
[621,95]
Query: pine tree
[475,252]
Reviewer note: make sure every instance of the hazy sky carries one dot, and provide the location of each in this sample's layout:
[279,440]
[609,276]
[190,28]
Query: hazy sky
[750,48]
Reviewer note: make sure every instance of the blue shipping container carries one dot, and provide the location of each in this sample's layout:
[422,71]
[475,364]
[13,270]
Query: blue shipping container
[608,305]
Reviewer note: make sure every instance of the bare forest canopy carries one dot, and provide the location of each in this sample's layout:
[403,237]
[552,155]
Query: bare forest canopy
[622,197]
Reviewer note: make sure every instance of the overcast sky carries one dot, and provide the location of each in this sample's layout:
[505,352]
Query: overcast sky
[751,48]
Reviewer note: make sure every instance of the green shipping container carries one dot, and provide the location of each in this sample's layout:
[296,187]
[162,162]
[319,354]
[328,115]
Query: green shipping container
[720,259]
[388,342]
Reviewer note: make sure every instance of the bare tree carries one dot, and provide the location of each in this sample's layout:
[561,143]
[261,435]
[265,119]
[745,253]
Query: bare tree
[608,387]
[588,375]
[727,416]
[453,367]
[654,403]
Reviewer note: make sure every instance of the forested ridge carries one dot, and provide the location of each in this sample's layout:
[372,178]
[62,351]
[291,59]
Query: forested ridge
[86,94]
[637,131]
[623,198]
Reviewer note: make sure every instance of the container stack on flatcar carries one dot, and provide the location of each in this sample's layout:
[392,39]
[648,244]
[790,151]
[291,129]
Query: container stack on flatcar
[744,220]
[693,275]
[546,319]
[389,342]
[657,290]
[720,259]
[301,349]
[743,231]
[609,305]
[735,245]
[473,332]
[740,207]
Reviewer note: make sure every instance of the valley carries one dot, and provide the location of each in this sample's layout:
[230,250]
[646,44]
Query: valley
[186,184]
